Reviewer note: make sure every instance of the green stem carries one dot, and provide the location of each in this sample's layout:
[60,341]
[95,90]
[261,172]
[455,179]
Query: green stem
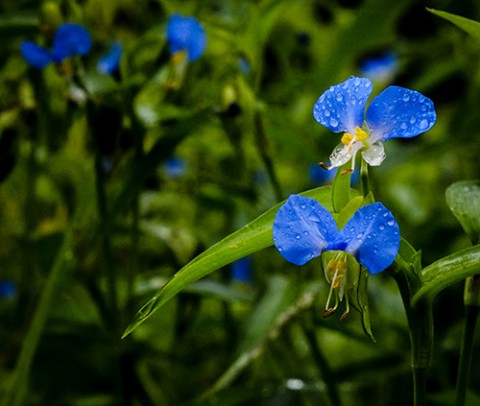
[262,144]
[472,309]
[420,323]
[364,178]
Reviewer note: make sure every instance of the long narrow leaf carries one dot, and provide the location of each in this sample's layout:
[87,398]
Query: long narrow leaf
[469,26]
[253,237]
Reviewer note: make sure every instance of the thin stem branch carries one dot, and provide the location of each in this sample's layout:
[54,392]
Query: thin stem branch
[471,317]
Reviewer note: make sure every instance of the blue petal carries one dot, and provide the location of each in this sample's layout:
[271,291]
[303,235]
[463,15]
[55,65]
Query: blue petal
[380,68]
[342,107]
[302,229]
[186,34]
[8,289]
[109,62]
[35,55]
[399,112]
[372,236]
[70,40]
[242,270]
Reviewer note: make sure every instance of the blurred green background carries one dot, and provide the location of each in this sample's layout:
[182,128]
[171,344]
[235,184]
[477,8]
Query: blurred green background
[107,189]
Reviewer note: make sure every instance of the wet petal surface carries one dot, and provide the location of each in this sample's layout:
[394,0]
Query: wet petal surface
[372,236]
[341,108]
[302,229]
[398,112]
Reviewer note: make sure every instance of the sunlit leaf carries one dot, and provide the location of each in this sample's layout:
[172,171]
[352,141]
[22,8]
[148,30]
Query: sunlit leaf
[463,198]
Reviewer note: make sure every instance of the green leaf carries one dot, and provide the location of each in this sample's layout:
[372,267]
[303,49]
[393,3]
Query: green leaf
[463,198]
[281,303]
[448,271]
[469,26]
[253,237]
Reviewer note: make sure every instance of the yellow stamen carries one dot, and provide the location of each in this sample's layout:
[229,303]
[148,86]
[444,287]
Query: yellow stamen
[348,139]
[178,57]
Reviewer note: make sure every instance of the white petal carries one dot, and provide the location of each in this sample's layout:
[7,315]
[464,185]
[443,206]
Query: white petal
[375,154]
[341,155]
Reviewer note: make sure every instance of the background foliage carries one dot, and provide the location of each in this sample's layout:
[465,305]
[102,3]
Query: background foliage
[94,221]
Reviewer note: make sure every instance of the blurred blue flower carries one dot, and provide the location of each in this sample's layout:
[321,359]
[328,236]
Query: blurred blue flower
[8,290]
[303,229]
[243,65]
[174,167]
[396,112]
[187,35]
[109,62]
[381,69]
[242,270]
[70,40]
[319,176]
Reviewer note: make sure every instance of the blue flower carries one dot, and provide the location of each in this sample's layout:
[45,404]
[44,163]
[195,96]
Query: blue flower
[396,112]
[381,68]
[8,290]
[174,167]
[108,63]
[185,34]
[70,40]
[242,270]
[303,229]
[320,176]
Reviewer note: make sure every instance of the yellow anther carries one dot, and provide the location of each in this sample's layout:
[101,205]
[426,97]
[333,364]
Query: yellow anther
[336,268]
[348,139]
[360,135]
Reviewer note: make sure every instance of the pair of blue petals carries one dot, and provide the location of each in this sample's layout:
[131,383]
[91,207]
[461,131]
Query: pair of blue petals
[303,229]
[396,112]
[186,34]
[70,40]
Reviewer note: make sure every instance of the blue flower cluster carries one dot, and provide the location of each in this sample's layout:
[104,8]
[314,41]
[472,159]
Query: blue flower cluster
[396,112]
[70,40]
[185,34]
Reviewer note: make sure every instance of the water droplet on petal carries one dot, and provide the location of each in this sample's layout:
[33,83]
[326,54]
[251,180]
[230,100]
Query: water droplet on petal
[390,223]
[413,120]
[339,97]
[298,236]
[327,113]
[403,126]
[359,236]
[406,98]
[423,124]
[381,227]
[333,123]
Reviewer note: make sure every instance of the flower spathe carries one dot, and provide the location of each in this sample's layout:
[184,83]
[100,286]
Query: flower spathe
[396,112]
[70,40]
[303,229]
[186,34]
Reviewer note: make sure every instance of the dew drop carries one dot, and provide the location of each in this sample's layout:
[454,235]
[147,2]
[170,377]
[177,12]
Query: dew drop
[406,98]
[390,223]
[423,124]
[305,233]
[298,236]
[303,206]
[413,120]
[327,113]
[339,97]
[381,227]
[357,82]
[333,123]
[403,126]
[359,236]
